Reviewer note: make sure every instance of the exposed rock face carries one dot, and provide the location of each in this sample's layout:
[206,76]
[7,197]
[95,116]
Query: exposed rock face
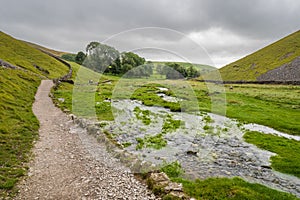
[7,65]
[287,72]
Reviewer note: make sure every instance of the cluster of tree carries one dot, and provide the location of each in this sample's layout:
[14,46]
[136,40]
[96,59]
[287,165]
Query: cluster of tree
[177,71]
[145,70]
[69,57]
[78,58]
[106,59]
[130,64]
[100,56]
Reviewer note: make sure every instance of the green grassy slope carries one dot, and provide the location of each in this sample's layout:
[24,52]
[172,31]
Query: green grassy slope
[272,56]
[18,125]
[21,54]
[54,52]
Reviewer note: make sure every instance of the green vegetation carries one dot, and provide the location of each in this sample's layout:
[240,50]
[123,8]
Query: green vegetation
[170,124]
[21,54]
[143,115]
[80,57]
[177,71]
[126,144]
[203,69]
[264,60]
[222,188]
[225,188]
[155,142]
[69,57]
[65,91]
[287,159]
[148,95]
[207,119]
[173,170]
[276,106]
[106,59]
[18,127]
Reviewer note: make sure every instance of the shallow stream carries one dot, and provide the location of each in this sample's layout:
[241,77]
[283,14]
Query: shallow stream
[206,145]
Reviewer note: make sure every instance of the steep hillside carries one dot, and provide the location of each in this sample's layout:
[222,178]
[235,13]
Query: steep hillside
[20,54]
[254,66]
[18,125]
[54,52]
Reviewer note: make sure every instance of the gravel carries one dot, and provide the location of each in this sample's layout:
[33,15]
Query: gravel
[70,164]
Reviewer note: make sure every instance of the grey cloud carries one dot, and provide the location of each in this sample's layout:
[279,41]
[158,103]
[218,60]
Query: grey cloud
[69,25]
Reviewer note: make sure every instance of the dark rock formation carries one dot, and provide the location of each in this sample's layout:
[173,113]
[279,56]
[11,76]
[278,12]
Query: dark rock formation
[7,65]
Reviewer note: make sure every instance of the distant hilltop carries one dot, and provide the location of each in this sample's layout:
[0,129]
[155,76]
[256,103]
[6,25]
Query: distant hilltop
[278,62]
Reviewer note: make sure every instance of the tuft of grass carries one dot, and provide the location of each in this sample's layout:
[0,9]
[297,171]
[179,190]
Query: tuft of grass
[173,170]
[170,124]
[126,144]
[208,119]
[287,159]
[156,142]
[143,115]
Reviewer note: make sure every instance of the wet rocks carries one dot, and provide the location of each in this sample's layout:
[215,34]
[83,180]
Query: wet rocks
[159,181]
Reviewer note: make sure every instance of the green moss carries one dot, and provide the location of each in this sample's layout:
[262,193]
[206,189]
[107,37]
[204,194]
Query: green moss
[170,124]
[155,142]
[143,115]
[126,144]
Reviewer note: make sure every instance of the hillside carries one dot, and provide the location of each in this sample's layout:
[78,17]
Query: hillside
[54,52]
[18,125]
[20,54]
[275,62]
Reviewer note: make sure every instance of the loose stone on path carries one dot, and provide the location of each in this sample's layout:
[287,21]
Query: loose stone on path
[70,164]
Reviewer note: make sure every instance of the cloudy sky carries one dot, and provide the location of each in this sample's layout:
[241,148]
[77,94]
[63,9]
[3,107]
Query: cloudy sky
[214,32]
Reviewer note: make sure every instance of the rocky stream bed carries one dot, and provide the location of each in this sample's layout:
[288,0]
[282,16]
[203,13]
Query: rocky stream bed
[206,145]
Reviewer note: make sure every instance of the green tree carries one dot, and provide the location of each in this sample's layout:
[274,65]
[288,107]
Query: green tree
[69,57]
[80,57]
[100,56]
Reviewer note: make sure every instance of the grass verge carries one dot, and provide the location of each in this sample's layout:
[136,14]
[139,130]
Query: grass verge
[18,126]
[223,188]
[287,159]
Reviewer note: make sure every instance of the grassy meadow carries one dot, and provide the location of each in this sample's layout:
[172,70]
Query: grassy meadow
[223,188]
[276,106]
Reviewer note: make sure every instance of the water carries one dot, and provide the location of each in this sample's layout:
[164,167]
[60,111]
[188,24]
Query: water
[206,145]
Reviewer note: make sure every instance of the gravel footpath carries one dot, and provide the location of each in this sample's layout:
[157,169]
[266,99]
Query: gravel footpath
[70,164]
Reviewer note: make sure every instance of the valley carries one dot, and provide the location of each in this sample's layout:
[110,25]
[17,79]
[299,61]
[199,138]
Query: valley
[237,141]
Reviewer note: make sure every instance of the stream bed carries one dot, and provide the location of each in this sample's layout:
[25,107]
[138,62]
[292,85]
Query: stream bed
[206,145]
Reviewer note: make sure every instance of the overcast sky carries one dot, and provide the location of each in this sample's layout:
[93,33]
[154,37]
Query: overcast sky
[223,30]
